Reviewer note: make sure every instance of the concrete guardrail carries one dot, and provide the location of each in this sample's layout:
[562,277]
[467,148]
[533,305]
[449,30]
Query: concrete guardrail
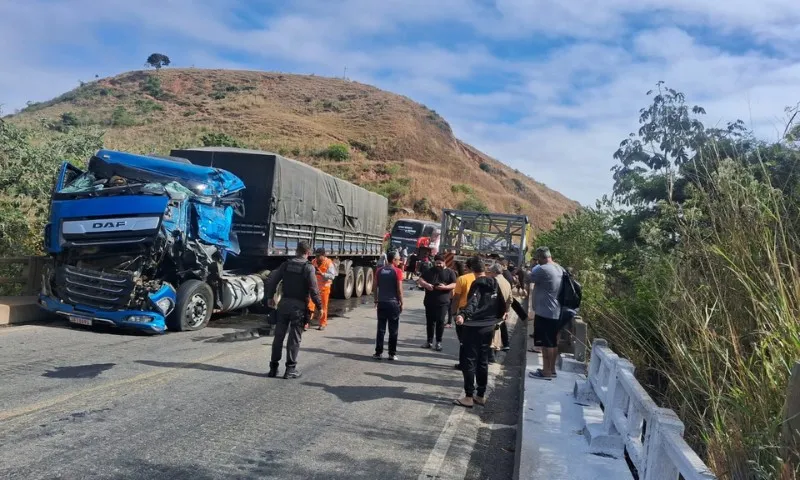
[652,436]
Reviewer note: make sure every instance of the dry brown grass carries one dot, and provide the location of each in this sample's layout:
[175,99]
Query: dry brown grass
[300,114]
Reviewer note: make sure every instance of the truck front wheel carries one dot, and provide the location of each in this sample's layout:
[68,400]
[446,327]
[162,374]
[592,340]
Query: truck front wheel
[194,308]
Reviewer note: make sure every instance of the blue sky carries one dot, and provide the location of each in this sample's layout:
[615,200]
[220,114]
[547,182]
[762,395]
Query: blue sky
[548,87]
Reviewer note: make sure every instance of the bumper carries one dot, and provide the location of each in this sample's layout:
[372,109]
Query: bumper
[104,317]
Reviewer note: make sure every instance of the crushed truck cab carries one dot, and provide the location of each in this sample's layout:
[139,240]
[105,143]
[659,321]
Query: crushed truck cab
[125,233]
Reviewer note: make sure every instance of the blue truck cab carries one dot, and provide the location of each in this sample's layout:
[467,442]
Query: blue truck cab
[139,242]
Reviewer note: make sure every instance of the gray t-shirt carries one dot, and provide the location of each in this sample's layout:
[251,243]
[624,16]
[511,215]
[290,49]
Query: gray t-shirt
[547,284]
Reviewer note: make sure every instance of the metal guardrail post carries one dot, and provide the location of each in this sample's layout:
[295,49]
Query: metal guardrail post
[580,339]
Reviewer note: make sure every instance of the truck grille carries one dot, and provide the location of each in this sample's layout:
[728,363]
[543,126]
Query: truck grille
[96,289]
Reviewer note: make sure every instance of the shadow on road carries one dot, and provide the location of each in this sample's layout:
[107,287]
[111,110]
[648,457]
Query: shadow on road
[79,371]
[434,381]
[367,357]
[365,393]
[264,464]
[199,366]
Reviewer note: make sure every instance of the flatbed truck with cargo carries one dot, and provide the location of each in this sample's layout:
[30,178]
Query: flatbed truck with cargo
[160,243]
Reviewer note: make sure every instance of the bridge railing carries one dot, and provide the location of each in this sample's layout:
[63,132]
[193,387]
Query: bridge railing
[21,275]
[652,436]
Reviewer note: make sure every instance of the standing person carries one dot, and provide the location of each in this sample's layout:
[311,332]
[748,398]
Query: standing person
[299,282]
[389,303]
[484,306]
[463,284]
[504,287]
[439,283]
[325,271]
[546,278]
[382,260]
[458,267]
[403,259]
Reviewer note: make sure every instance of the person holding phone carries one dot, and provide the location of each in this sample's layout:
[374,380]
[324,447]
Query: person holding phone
[438,283]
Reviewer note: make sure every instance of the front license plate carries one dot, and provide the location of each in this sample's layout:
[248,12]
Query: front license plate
[81,320]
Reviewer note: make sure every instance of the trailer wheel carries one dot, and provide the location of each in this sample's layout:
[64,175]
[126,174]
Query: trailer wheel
[369,279]
[194,308]
[360,282]
[344,285]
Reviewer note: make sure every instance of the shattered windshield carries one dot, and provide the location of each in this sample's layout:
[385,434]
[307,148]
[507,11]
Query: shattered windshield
[89,183]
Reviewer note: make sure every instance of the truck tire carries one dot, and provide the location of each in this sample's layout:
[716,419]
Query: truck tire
[344,285]
[360,282]
[369,280]
[194,308]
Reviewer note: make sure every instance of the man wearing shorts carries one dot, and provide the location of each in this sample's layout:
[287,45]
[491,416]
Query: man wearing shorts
[546,279]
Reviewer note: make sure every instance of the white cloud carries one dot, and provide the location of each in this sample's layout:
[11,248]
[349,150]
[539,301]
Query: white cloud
[549,87]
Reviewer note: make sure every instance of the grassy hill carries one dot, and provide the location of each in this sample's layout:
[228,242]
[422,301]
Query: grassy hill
[379,140]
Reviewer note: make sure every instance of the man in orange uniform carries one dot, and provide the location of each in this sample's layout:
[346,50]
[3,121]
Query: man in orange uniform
[326,272]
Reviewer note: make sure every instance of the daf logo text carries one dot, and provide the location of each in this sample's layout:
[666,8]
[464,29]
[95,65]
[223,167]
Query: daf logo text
[96,225]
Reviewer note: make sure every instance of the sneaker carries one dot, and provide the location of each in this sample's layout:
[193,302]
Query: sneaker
[393,358]
[292,374]
[377,356]
[505,349]
[273,372]
[321,328]
[305,327]
[427,345]
[438,347]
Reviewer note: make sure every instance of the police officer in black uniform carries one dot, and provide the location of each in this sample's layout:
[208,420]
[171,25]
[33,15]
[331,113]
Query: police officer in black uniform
[299,281]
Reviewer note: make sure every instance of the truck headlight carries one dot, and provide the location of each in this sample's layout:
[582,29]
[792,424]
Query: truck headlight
[165,305]
[140,318]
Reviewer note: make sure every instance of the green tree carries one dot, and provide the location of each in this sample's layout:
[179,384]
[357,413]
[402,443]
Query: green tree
[158,60]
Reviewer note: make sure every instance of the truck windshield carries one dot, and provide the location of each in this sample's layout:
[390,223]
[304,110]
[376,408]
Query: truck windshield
[405,229]
[88,184]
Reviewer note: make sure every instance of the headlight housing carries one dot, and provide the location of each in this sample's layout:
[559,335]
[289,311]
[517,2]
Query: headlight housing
[165,305]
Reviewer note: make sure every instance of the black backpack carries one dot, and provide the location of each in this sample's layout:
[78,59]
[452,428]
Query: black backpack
[571,291]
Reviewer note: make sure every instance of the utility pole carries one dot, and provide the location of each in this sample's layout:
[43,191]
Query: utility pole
[345,74]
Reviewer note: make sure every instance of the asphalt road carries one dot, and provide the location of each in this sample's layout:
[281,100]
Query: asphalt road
[78,403]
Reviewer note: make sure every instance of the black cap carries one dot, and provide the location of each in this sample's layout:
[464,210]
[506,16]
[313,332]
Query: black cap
[320,251]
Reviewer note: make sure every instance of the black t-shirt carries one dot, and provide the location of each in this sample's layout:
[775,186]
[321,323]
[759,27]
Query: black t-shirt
[508,275]
[436,277]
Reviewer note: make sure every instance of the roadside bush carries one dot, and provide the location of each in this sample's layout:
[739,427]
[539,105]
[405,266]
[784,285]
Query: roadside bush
[422,205]
[152,86]
[461,188]
[473,204]
[220,139]
[390,169]
[337,152]
[120,117]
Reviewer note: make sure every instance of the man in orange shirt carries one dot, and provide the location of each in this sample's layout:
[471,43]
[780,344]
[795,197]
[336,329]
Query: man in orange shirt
[326,272]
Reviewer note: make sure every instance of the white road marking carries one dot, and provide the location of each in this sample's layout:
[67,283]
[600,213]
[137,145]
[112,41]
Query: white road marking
[436,458]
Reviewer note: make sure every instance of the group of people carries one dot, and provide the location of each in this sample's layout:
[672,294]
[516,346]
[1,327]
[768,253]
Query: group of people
[478,301]
[476,298]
